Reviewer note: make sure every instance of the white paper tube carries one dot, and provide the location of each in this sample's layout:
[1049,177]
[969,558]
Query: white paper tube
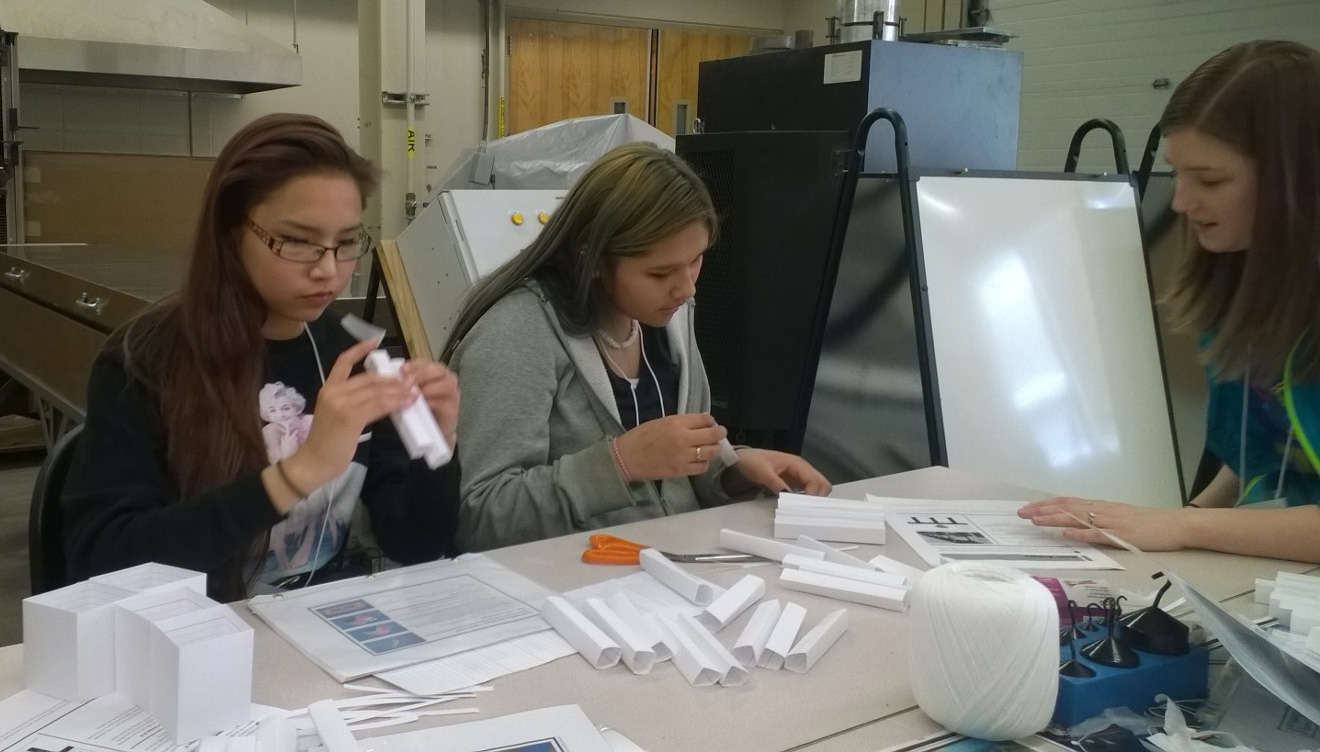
[764,547]
[782,636]
[690,660]
[747,649]
[732,673]
[833,554]
[874,577]
[817,642]
[643,624]
[578,631]
[880,596]
[636,653]
[735,600]
[676,578]
[886,564]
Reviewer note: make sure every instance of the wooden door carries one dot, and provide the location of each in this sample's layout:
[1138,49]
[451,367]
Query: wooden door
[679,61]
[561,70]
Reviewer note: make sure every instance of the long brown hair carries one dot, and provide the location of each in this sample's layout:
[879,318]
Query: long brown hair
[631,198]
[1262,98]
[201,353]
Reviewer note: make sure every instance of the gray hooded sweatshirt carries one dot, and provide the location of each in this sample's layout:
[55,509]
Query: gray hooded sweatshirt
[535,423]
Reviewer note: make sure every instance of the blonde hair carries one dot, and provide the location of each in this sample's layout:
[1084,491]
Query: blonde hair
[632,198]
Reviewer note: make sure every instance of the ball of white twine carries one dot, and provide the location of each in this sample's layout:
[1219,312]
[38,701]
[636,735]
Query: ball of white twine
[984,650]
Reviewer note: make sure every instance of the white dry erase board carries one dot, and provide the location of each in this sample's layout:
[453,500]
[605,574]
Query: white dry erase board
[1045,359]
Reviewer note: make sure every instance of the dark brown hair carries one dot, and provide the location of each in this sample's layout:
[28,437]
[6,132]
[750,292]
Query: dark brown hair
[631,198]
[201,353]
[1263,99]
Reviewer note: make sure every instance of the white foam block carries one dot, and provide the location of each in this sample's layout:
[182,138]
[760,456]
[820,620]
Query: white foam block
[732,673]
[695,589]
[842,531]
[875,577]
[641,623]
[690,660]
[833,554]
[763,547]
[735,600]
[782,636]
[69,641]
[750,644]
[148,577]
[893,566]
[134,617]
[637,653]
[202,666]
[815,643]
[892,598]
[578,631]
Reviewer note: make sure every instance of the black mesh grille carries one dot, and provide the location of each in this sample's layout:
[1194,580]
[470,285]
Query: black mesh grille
[719,316]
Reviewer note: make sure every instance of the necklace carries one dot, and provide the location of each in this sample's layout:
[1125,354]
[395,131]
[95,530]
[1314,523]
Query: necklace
[614,344]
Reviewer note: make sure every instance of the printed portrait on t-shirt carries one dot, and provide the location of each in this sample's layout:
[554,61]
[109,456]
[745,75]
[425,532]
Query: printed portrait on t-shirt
[286,426]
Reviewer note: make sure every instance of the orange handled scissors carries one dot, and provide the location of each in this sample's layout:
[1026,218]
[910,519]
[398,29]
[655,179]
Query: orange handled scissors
[608,549]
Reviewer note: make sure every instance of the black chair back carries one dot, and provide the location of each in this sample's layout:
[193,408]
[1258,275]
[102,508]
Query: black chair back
[46,517]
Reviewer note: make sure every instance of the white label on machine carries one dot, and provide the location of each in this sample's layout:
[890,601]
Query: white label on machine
[843,67]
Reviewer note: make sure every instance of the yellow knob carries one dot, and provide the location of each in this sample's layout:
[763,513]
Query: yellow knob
[543,217]
[517,218]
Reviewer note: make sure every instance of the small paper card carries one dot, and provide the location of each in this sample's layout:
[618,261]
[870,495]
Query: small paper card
[751,643]
[577,630]
[202,666]
[872,576]
[151,576]
[695,589]
[881,596]
[637,653]
[764,547]
[782,636]
[735,600]
[69,641]
[815,643]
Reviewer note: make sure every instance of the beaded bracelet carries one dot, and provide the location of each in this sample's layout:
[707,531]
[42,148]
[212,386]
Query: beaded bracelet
[284,476]
[618,460]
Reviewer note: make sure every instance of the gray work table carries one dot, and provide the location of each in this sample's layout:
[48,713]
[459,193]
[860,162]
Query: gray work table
[856,698]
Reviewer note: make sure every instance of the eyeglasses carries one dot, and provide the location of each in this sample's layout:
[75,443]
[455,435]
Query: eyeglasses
[303,252]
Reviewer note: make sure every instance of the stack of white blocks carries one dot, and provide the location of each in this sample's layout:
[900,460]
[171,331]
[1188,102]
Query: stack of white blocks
[1294,599]
[838,520]
[151,634]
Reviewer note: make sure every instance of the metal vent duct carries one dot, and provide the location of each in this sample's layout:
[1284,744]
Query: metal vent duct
[181,45]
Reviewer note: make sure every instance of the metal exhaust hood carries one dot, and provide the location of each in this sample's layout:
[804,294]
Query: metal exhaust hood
[181,45]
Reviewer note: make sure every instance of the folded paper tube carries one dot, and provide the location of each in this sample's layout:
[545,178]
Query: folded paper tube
[747,649]
[764,547]
[330,726]
[815,643]
[732,673]
[735,600]
[886,564]
[578,631]
[695,589]
[151,576]
[415,423]
[844,531]
[690,660]
[636,652]
[641,623]
[833,554]
[727,453]
[880,596]
[275,733]
[782,637]
[875,577]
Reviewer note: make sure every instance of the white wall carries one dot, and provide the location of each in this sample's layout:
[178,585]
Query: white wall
[1098,58]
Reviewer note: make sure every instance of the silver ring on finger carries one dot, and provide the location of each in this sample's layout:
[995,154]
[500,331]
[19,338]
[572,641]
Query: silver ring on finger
[1090,518]
[698,454]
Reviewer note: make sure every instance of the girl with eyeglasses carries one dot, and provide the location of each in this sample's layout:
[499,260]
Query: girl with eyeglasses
[1243,134]
[228,428]
[587,403]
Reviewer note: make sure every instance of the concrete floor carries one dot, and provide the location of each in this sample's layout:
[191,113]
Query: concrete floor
[18,474]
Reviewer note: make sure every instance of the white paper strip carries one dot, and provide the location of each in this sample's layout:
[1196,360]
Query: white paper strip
[735,600]
[833,554]
[642,624]
[892,598]
[594,645]
[782,637]
[764,547]
[747,649]
[793,561]
[637,654]
[275,734]
[732,673]
[886,564]
[815,643]
[690,660]
[676,578]
[334,733]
